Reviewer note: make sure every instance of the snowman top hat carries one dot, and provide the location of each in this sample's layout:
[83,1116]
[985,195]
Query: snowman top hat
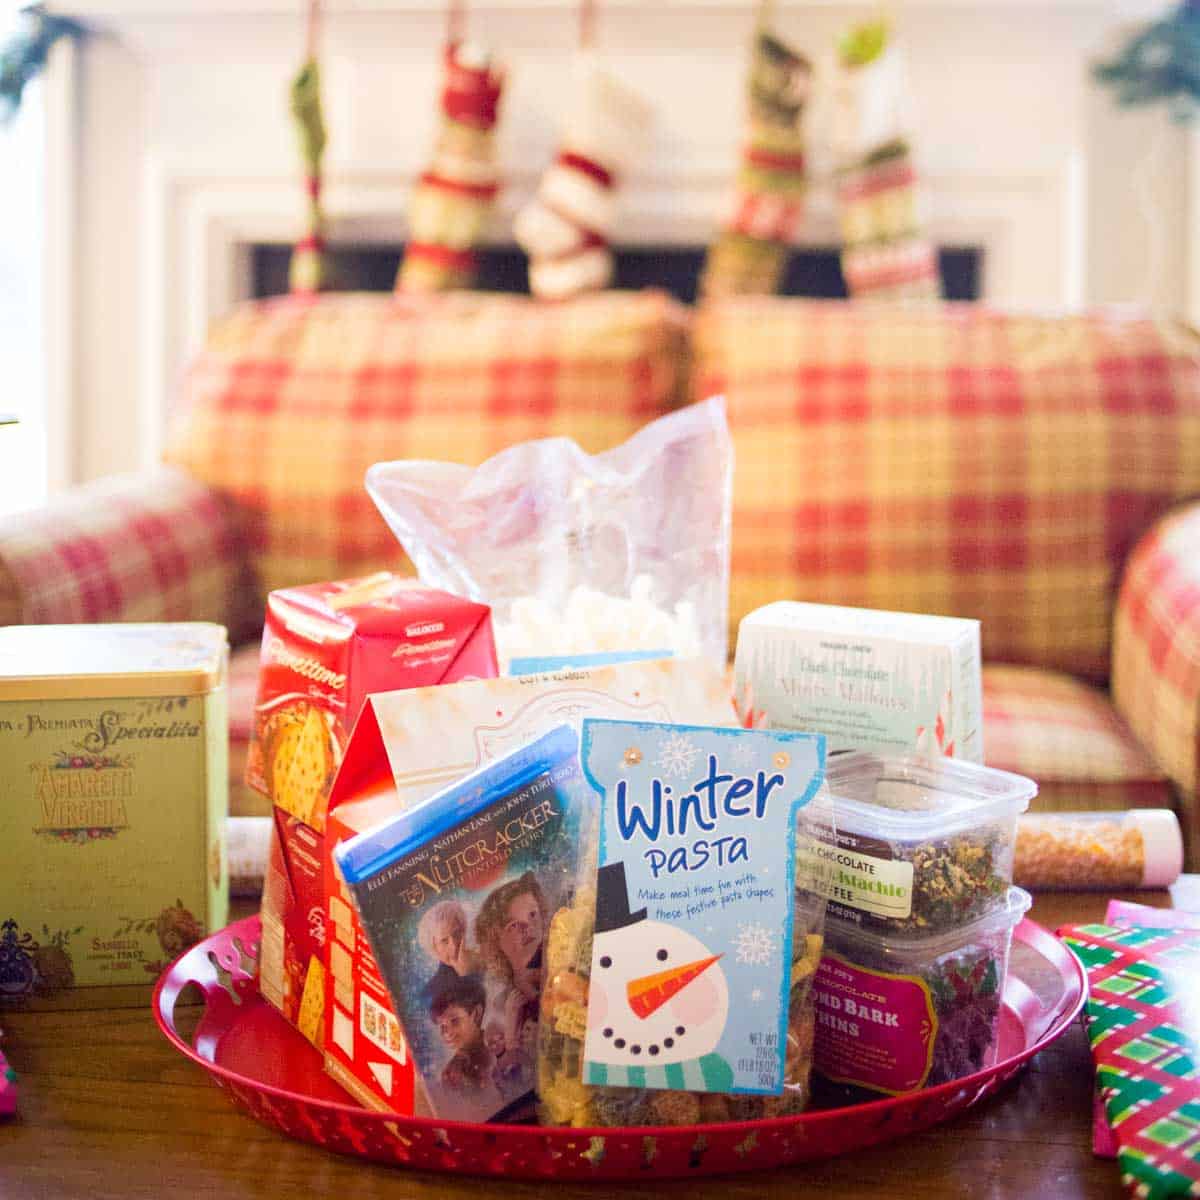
[612,900]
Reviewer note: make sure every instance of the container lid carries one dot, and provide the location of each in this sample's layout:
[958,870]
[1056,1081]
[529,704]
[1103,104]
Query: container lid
[912,798]
[1011,909]
[75,662]
[1162,845]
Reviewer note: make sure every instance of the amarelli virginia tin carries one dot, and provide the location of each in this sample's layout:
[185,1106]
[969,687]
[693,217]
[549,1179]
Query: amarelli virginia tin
[113,798]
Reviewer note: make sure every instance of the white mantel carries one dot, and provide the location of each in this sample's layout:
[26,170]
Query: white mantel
[181,154]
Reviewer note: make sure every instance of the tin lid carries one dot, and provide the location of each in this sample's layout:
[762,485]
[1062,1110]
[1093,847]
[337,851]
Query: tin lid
[74,662]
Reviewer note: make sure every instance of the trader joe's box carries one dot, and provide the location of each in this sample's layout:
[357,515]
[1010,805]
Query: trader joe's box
[113,794]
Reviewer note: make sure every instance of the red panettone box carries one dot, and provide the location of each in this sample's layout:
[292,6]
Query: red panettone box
[365,1047]
[326,647]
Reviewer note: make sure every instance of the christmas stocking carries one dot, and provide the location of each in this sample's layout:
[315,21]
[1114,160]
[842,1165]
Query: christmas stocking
[307,268]
[566,228]
[751,253]
[884,256]
[453,198]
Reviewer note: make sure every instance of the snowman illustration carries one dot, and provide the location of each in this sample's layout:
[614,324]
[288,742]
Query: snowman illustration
[657,1000]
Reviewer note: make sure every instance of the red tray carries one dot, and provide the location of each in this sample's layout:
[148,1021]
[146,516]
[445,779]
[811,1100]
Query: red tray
[272,1072]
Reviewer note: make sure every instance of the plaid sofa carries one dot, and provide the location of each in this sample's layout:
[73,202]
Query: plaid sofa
[1032,471]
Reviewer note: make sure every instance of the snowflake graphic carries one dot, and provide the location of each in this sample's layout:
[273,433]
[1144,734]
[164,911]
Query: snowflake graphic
[743,753]
[676,755]
[755,945]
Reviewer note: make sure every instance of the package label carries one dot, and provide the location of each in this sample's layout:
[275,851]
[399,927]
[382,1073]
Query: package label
[858,880]
[691,957]
[381,1028]
[891,682]
[874,1029]
[110,827]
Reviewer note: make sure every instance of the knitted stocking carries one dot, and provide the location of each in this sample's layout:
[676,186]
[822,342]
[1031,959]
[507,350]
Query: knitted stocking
[885,255]
[307,270]
[565,229]
[752,252]
[453,198]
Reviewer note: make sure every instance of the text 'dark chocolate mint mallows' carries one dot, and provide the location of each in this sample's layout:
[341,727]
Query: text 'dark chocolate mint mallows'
[917,845]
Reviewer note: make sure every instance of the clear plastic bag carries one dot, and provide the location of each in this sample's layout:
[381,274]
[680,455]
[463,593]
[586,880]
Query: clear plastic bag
[578,553]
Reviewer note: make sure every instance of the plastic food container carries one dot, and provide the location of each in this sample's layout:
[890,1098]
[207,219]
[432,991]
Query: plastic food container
[1139,848]
[896,1013]
[920,845]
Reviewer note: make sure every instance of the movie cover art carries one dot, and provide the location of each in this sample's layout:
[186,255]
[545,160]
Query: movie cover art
[457,926]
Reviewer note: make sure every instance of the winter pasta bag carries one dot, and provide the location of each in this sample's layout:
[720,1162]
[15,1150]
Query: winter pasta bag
[678,984]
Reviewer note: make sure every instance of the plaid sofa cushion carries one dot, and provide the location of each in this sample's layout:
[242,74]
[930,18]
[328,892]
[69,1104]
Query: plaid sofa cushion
[951,459]
[153,547]
[244,801]
[1156,646]
[294,398]
[1065,734]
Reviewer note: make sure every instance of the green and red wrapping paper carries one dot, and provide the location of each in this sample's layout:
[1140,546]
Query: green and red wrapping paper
[1143,1021]
[8,1086]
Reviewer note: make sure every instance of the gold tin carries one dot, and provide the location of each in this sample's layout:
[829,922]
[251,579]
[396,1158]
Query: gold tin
[113,797]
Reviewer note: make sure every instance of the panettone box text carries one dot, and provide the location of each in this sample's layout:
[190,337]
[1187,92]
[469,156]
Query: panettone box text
[409,745]
[325,648]
[113,795]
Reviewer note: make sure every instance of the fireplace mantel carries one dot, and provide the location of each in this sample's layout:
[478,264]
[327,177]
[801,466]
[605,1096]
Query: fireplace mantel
[173,153]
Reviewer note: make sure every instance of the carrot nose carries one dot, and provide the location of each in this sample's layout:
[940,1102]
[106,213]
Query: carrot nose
[649,993]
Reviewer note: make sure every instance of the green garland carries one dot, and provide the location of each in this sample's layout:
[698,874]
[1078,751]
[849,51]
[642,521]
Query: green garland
[24,55]
[1161,63]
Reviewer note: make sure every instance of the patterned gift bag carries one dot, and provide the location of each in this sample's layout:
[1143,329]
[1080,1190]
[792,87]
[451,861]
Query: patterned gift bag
[1143,1020]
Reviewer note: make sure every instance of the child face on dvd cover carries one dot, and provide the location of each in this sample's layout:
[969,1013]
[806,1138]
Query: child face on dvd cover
[458,1015]
[521,934]
[510,928]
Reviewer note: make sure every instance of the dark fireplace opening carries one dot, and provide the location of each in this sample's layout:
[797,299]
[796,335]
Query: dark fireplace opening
[813,271]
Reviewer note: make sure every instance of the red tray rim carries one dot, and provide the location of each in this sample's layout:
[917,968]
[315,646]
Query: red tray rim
[175,978]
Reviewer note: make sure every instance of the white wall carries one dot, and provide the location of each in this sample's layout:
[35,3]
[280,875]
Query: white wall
[23,459]
[186,151]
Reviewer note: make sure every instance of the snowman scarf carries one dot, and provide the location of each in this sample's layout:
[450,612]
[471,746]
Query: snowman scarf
[711,1073]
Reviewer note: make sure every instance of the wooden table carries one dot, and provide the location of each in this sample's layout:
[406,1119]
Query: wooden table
[109,1110]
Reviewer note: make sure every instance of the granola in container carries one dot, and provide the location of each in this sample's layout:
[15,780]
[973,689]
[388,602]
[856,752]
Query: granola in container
[921,845]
